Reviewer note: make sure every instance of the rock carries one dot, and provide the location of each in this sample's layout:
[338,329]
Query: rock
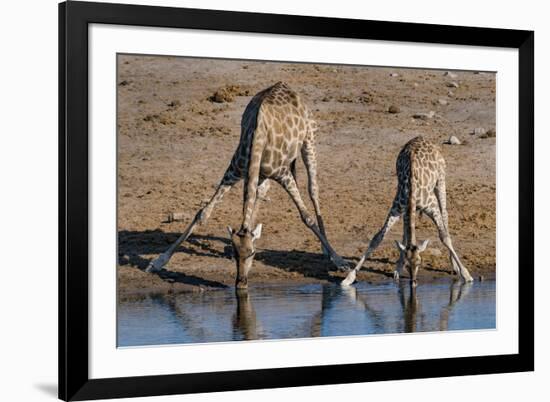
[491,133]
[452,84]
[416,84]
[394,75]
[424,116]
[228,94]
[453,140]
[450,94]
[177,217]
[478,131]
[221,96]
[450,74]
[394,109]
[443,102]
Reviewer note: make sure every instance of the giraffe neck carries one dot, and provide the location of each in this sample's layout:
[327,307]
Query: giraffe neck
[252,178]
[411,212]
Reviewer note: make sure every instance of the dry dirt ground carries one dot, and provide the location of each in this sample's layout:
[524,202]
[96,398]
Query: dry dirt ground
[176,138]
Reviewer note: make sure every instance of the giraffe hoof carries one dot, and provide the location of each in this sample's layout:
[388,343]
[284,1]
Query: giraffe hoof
[340,264]
[349,279]
[157,264]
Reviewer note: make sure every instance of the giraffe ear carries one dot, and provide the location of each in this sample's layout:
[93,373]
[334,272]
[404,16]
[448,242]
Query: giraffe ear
[423,246]
[256,233]
[400,245]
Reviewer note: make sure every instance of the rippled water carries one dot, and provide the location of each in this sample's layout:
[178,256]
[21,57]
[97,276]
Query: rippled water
[277,312]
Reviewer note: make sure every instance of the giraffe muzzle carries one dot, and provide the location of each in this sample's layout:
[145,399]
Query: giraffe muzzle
[241,283]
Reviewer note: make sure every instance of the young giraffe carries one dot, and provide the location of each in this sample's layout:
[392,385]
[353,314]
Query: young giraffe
[421,187]
[275,127]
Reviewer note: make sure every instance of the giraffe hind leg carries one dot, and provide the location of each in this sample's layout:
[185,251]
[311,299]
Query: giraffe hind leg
[289,184]
[263,188]
[200,218]
[310,161]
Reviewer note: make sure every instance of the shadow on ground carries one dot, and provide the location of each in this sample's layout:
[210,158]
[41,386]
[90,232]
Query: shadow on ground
[134,244]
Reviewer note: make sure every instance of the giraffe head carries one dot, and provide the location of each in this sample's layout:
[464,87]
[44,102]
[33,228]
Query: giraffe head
[411,258]
[244,250]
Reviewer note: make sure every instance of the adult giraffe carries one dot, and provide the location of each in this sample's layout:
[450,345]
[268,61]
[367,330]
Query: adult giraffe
[276,126]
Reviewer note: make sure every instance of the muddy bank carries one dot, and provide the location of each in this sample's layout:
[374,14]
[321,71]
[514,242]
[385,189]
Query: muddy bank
[178,125]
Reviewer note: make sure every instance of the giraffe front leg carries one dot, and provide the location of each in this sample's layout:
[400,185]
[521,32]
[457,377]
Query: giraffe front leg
[400,263]
[200,218]
[445,238]
[289,184]
[392,218]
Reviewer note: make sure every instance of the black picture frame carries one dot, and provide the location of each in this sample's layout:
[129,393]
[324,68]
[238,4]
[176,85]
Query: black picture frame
[74,18]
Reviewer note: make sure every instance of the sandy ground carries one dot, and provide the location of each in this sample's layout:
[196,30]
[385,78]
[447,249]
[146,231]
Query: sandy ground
[175,142]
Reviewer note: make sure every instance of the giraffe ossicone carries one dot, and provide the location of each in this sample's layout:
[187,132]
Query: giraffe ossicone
[276,127]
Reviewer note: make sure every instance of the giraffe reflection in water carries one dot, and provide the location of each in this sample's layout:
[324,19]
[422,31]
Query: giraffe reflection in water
[307,311]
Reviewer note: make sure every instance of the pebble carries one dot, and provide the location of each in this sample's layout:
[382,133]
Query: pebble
[453,140]
[478,131]
[452,84]
[424,116]
[450,74]
[450,94]
[443,102]
[394,109]
[177,217]
[491,133]
[394,75]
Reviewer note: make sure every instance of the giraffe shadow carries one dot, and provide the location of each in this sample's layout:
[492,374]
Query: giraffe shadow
[308,264]
[438,270]
[132,245]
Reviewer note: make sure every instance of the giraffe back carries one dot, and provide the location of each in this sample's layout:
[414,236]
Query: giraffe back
[279,119]
[421,161]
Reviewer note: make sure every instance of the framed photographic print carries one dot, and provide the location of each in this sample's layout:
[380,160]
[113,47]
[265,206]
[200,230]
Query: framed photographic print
[257,200]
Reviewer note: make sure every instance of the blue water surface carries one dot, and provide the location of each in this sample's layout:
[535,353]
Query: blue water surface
[304,311]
